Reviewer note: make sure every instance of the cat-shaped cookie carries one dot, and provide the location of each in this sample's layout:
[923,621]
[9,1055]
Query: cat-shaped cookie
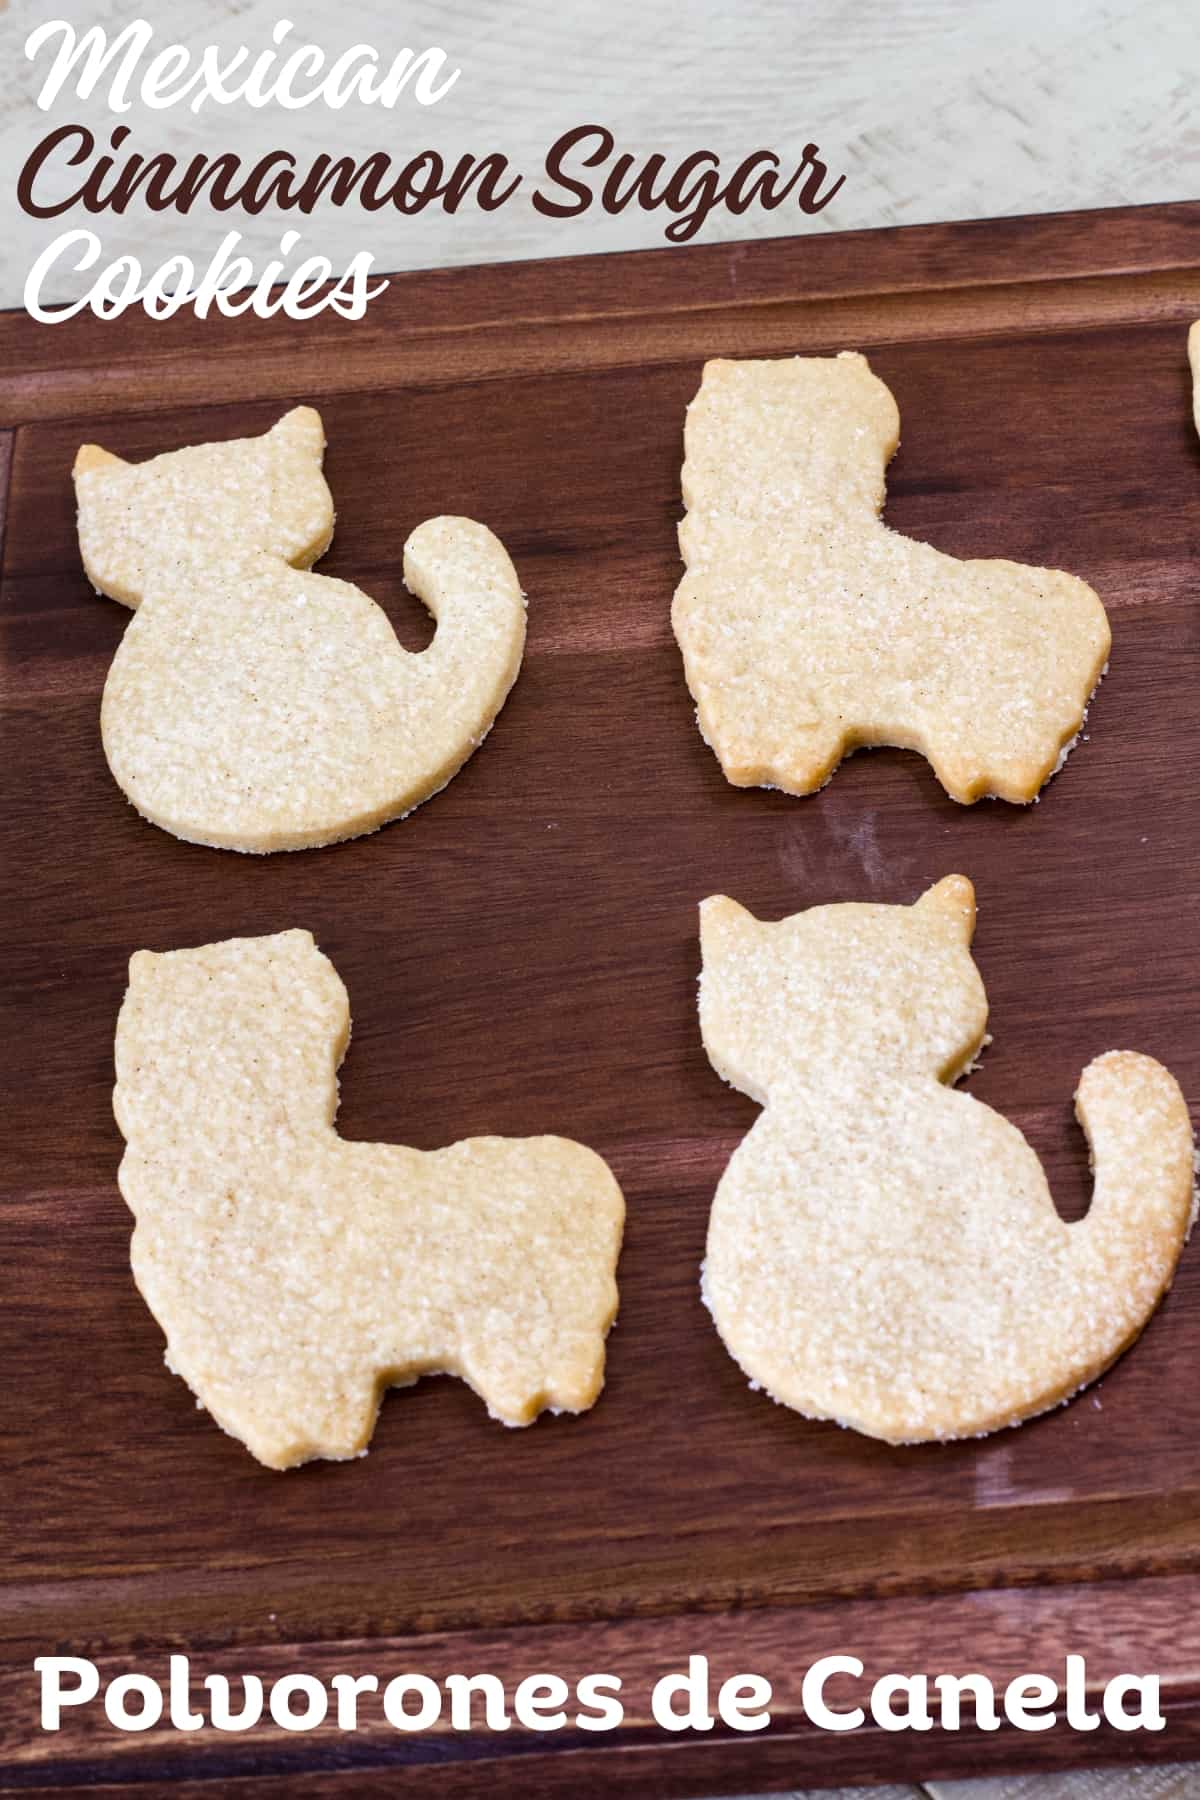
[809,629]
[295,1274]
[882,1250]
[253,705]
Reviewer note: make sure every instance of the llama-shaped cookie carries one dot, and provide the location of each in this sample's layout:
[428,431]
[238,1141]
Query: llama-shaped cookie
[295,1274]
[809,629]
[253,705]
[882,1250]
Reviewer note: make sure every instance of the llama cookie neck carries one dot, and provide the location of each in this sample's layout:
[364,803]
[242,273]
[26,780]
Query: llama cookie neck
[275,1082]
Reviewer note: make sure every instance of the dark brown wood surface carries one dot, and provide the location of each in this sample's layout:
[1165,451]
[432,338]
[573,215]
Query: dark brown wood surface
[521,957]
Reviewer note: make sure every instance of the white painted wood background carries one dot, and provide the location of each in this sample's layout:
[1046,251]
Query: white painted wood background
[1174,1783]
[933,109]
[1178,1783]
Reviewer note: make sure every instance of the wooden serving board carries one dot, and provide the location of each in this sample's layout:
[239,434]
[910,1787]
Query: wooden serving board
[521,957]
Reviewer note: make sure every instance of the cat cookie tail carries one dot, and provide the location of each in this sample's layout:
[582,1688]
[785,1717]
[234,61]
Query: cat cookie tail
[1143,1204]
[462,573]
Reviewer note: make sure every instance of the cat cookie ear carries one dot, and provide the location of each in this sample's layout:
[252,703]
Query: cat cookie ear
[91,456]
[953,900]
[723,923]
[141,967]
[301,429]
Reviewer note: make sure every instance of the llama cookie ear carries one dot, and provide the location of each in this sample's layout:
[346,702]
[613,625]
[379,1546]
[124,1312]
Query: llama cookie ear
[952,900]
[295,1275]
[302,430]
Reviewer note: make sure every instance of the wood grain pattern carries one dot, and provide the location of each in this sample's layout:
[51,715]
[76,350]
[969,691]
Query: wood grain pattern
[6,444]
[1021,1630]
[521,955]
[442,328]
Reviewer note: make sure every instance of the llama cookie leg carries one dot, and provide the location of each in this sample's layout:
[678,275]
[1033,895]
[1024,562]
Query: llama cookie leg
[764,733]
[539,1343]
[295,1276]
[253,705]
[250,1324]
[883,1250]
[800,604]
[281,1404]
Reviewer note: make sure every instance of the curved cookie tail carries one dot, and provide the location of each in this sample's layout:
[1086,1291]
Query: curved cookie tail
[462,573]
[1144,1202]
